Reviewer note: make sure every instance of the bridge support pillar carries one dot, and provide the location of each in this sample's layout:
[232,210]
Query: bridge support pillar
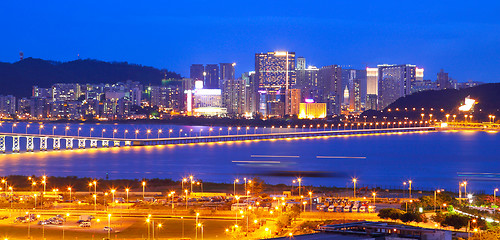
[116,143]
[105,143]
[56,144]
[81,143]
[128,143]
[30,145]
[69,143]
[43,144]
[93,143]
[15,144]
[2,144]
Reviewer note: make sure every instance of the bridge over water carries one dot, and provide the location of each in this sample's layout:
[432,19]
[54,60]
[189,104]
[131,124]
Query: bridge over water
[43,142]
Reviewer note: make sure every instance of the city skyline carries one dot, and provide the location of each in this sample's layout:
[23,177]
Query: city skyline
[433,36]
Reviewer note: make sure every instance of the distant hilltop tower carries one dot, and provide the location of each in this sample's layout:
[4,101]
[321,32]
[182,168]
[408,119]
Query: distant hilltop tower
[21,55]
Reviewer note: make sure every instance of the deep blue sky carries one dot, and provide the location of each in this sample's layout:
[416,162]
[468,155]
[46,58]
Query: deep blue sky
[463,37]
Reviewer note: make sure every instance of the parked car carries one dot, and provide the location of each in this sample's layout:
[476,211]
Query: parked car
[85,224]
[106,229]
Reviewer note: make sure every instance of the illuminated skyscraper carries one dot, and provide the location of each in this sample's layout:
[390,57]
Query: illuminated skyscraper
[226,71]
[275,73]
[196,72]
[211,78]
[301,63]
[329,88]
[395,81]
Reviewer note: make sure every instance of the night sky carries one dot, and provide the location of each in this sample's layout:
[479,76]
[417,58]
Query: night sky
[463,37]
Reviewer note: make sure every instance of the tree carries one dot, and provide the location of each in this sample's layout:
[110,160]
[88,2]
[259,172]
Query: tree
[456,221]
[390,213]
[412,217]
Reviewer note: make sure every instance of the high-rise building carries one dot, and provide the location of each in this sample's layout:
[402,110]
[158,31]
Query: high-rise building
[348,78]
[294,100]
[371,102]
[252,93]
[7,105]
[196,72]
[234,95]
[443,81]
[65,92]
[307,81]
[329,88]
[372,81]
[227,71]
[355,96]
[395,81]
[301,63]
[211,80]
[275,73]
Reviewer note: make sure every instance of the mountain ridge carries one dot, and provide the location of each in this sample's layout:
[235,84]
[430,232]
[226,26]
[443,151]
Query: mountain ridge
[44,73]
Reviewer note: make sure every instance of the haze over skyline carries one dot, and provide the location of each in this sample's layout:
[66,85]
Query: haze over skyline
[462,39]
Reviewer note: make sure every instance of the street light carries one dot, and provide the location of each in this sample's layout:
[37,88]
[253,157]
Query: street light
[53,129]
[299,180]
[127,190]
[409,188]
[125,133]
[136,132]
[435,193]
[102,133]
[234,183]
[114,132]
[159,132]
[147,133]
[40,129]
[91,130]
[354,180]
[374,194]
[143,188]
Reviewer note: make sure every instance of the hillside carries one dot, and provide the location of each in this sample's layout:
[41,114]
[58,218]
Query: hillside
[487,97]
[19,77]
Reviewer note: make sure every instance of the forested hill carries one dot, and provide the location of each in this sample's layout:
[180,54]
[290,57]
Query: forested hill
[18,78]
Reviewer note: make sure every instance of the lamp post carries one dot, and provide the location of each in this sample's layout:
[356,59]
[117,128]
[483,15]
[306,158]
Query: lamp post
[109,226]
[95,201]
[65,130]
[27,126]
[435,193]
[310,201]
[113,193]
[53,129]
[465,188]
[102,133]
[409,188]
[40,129]
[114,132]
[127,190]
[354,180]
[159,132]
[90,133]
[300,181]
[136,132]
[143,188]
[234,183]
[495,196]
[147,133]
[70,199]
[78,132]
[191,179]
[125,133]
[374,194]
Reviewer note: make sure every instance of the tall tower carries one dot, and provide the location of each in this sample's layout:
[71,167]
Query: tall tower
[275,73]
[211,76]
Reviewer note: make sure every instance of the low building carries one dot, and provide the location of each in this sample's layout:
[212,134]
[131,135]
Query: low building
[312,110]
